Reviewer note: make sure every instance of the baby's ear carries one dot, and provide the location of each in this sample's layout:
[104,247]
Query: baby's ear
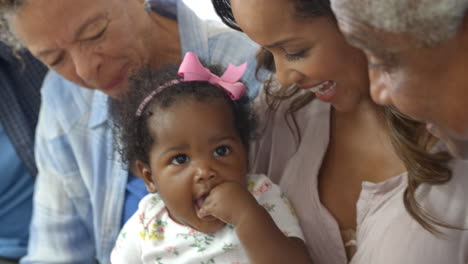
[144,172]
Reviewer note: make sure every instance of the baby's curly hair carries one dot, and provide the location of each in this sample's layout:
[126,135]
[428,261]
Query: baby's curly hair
[133,138]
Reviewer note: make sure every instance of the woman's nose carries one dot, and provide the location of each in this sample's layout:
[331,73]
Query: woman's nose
[285,75]
[86,66]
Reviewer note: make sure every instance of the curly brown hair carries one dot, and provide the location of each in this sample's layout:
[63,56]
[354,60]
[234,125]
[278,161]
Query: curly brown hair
[132,133]
[410,139]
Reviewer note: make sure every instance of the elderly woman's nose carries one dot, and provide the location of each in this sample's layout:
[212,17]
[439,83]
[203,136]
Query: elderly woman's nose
[86,66]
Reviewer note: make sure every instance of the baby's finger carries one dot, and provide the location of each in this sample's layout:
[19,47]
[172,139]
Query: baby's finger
[205,210]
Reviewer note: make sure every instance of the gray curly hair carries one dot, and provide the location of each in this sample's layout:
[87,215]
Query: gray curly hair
[428,21]
[8,8]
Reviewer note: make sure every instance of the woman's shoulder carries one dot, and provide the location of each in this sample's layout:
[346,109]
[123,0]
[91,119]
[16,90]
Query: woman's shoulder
[279,137]
[60,92]
[448,201]
[276,116]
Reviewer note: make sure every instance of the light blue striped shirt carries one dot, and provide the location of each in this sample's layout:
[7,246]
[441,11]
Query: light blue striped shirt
[80,188]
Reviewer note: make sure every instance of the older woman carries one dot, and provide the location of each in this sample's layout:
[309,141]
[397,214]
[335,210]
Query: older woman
[83,193]
[362,178]
[417,58]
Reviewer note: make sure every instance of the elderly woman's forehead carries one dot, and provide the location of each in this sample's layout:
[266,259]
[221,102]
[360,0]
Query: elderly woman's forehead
[45,23]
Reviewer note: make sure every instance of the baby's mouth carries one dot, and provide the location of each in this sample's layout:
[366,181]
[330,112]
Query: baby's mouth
[198,204]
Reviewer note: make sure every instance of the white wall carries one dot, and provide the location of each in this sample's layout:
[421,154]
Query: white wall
[203,8]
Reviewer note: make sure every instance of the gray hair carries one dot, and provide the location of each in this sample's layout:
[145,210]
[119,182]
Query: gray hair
[7,9]
[428,21]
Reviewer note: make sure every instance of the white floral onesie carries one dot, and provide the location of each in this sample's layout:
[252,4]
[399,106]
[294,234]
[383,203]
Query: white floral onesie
[151,236]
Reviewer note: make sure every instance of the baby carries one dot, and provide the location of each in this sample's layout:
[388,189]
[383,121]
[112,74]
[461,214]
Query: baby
[187,136]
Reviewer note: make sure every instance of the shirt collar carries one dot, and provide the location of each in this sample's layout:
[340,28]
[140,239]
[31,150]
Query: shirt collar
[99,109]
[193,32]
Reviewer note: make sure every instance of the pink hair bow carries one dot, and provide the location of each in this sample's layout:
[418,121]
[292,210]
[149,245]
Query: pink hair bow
[191,69]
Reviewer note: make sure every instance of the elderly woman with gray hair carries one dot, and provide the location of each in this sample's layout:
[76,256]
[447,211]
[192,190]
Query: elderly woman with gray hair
[83,192]
[418,59]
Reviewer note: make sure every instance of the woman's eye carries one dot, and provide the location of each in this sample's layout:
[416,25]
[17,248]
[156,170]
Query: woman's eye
[295,56]
[222,151]
[98,35]
[377,67]
[180,159]
[57,61]
[377,64]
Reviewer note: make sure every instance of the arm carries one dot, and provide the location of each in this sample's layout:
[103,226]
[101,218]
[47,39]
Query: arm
[261,238]
[61,230]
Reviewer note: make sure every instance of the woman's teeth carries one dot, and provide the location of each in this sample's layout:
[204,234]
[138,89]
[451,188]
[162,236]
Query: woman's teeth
[324,87]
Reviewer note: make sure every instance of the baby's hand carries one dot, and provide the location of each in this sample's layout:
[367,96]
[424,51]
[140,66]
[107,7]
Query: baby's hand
[230,202]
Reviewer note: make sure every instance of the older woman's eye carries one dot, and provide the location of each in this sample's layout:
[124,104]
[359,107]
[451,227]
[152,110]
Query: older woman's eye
[98,35]
[57,60]
[386,62]
[377,67]
[95,30]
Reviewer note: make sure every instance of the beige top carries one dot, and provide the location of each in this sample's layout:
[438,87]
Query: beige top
[385,233]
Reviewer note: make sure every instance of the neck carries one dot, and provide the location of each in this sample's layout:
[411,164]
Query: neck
[366,125]
[166,41]
[366,114]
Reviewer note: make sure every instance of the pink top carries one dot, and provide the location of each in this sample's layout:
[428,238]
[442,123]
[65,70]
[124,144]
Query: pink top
[385,234]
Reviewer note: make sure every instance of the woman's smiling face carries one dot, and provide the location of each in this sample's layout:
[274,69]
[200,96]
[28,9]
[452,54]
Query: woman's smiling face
[308,51]
[94,43]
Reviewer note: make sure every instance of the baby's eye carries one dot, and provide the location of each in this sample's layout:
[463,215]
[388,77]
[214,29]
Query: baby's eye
[180,159]
[222,151]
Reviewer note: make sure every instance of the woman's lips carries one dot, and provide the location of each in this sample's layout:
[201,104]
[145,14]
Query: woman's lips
[324,91]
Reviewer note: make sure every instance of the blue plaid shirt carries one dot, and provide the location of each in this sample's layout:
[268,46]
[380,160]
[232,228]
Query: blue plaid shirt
[80,188]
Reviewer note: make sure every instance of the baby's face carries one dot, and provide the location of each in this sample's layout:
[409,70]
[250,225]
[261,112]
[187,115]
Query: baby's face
[198,148]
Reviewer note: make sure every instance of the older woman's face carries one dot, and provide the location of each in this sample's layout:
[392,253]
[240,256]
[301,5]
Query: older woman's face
[94,43]
[428,84]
